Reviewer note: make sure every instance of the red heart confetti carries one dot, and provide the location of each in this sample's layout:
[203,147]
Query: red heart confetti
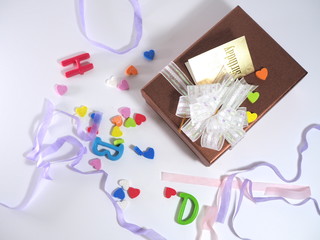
[139,118]
[169,192]
[133,192]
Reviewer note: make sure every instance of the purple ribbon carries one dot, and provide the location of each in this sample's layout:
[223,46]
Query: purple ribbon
[136,33]
[40,152]
[147,233]
[246,187]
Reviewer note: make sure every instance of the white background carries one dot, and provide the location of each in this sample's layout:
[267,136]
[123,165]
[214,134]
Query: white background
[35,34]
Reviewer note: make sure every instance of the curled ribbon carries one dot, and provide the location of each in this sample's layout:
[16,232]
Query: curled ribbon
[213,110]
[41,152]
[136,32]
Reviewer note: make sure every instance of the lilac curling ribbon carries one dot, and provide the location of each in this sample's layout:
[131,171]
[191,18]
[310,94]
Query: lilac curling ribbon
[246,187]
[39,153]
[146,233]
[136,34]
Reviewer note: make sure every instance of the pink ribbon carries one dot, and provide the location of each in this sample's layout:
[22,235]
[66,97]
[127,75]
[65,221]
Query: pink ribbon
[246,187]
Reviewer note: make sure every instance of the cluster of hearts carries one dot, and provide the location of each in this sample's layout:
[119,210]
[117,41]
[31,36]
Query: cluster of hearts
[117,146]
[81,68]
[262,74]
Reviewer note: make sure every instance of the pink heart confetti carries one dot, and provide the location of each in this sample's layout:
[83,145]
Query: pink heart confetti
[95,163]
[123,85]
[61,89]
[125,112]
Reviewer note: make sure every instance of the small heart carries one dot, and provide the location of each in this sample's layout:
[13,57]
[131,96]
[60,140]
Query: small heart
[123,204]
[118,141]
[149,55]
[81,111]
[117,120]
[119,193]
[124,183]
[95,163]
[61,89]
[111,82]
[262,74]
[139,118]
[131,70]
[251,116]
[89,130]
[116,132]
[149,153]
[125,112]
[133,192]
[253,96]
[123,85]
[137,150]
[169,192]
[130,122]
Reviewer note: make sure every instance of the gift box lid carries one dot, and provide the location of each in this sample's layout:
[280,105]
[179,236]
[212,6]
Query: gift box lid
[283,74]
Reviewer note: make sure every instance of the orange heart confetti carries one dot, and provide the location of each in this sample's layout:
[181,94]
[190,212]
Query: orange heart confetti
[262,74]
[131,70]
[117,120]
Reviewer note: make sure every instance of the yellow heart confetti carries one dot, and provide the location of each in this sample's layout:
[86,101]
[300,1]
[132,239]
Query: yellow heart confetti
[116,132]
[81,111]
[251,116]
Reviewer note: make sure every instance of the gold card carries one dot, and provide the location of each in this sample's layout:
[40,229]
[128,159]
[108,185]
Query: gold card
[233,57]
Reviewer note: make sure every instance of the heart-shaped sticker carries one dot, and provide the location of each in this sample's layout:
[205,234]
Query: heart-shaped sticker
[253,96]
[116,132]
[131,70]
[130,122]
[251,116]
[149,55]
[117,120]
[95,163]
[123,85]
[139,118]
[149,153]
[125,112]
[81,111]
[61,89]
[262,73]
[133,192]
[169,192]
[118,141]
[119,193]
[111,81]
[124,183]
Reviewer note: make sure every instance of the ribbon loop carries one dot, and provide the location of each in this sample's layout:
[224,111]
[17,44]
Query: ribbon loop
[215,115]
[176,78]
[213,110]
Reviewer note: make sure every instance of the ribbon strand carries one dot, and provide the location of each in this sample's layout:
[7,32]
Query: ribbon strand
[136,32]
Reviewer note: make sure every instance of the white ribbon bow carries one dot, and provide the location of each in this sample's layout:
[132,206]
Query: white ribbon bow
[214,113]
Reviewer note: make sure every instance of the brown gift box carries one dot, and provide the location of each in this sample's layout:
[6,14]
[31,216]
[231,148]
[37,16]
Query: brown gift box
[284,73]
